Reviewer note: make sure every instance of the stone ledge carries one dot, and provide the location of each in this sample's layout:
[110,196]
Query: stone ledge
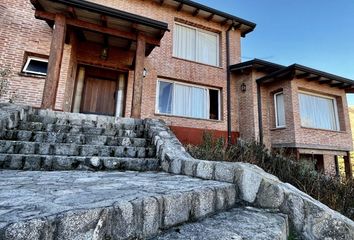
[310,218]
[119,205]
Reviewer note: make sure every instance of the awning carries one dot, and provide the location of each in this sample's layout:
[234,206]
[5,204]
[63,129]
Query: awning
[103,24]
[277,72]
[297,71]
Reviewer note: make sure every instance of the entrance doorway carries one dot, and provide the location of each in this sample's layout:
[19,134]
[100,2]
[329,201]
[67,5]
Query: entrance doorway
[100,91]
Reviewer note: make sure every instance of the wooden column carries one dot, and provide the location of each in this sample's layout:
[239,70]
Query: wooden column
[138,77]
[348,166]
[54,62]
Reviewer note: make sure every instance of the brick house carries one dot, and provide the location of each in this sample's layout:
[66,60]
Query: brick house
[171,59]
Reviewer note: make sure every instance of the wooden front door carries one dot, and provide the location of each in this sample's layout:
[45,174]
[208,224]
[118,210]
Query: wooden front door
[99,96]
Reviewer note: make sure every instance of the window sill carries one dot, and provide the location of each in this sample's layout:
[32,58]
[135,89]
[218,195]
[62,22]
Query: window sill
[203,64]
[31,75]
[325,130]
[191,118]
[278,128]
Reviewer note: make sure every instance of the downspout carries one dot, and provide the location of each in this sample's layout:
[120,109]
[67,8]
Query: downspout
[260,121]
[228,82]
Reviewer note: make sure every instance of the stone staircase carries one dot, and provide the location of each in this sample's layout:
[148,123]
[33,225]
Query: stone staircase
[75,176]
[50,140]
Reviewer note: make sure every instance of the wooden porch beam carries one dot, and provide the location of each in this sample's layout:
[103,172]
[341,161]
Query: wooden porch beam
[224,22]
[302,75]
[196,12]
[348,166]
[96,28]
[54,62]
[138,76]
[180,6]
[211,16]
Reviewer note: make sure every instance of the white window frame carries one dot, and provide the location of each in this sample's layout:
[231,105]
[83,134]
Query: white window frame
[322,96]
[276,112]
[196,42]
[29,59]
[190,85]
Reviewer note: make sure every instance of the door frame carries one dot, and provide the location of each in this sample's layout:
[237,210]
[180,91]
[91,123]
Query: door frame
[119,71]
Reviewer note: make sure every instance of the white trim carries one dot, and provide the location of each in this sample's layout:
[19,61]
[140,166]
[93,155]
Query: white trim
[196,43]
[335,108]
[173,97]
[29,59]
[276,110]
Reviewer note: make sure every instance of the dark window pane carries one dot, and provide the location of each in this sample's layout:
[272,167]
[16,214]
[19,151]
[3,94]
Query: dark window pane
[36,66]
[214,104]
[165,97]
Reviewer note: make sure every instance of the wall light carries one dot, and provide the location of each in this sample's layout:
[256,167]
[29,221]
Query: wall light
[243,87]
[145,72]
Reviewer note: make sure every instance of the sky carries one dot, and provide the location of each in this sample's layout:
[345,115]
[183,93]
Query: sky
[315,33]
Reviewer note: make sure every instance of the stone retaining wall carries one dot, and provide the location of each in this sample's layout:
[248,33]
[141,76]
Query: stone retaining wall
[310,218]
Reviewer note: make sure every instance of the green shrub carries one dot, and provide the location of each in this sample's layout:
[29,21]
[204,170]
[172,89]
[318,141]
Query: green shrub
[336,193]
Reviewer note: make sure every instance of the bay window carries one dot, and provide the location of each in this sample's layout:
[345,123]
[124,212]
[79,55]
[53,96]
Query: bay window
[317,111]
[279,110]
[194,44]
[187,100]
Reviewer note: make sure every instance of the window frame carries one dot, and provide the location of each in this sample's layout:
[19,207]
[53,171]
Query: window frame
[173,96]
[276,112]
[335,108]
[218,60]
[29,59]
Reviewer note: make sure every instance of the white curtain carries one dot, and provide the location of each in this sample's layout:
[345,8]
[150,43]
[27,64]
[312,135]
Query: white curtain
[207,48]
[199,103]
[182,100]
[190,101]
[184,42]
[280,108]
[317,112]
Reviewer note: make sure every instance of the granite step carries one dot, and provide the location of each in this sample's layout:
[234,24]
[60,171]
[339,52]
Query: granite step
[104,205]
[123,123]
[74,138]
[56,163]
[65,149]
[236,224]
[135,131]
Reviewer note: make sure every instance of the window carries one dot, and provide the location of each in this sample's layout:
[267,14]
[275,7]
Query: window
[318,111]
[36,65]
[279,110]
[196,45]
[188,100]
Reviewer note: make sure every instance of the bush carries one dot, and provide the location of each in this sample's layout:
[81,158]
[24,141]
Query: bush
[336,193]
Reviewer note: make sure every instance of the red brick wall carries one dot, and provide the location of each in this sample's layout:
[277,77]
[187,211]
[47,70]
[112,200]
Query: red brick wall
[22,32]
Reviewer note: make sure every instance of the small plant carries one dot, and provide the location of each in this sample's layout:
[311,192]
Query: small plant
[332,191]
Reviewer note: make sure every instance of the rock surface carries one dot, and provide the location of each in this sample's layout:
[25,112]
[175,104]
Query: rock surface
[112,204]
[236,224]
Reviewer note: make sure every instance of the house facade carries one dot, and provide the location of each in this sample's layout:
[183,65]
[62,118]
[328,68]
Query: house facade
[176,60]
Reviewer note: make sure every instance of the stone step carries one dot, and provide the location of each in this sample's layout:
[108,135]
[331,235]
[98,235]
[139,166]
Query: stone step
[236,224]
[77,117]
[104,205]
[75,138]
[65,149]
[135,131]
[56,163]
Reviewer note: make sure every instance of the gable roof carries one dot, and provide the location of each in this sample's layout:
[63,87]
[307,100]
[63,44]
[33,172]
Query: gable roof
[276,72]
[197,9]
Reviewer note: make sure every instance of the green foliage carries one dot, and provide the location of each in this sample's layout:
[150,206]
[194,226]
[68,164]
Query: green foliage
[334,192]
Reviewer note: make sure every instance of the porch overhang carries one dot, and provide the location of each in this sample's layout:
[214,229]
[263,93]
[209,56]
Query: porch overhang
[101,24]
[297,71]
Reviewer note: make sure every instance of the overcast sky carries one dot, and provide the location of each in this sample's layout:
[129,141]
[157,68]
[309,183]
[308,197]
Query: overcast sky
[314,33]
